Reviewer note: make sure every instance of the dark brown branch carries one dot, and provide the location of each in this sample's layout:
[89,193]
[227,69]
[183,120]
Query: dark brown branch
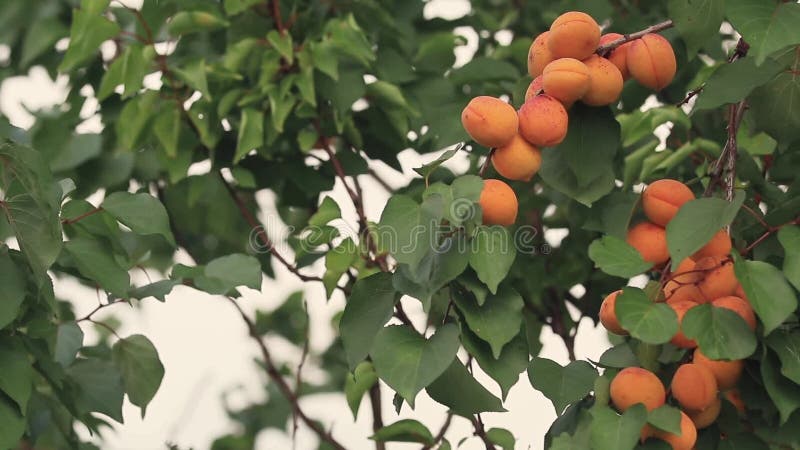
[380,180]
[376,401]
[691,94]
[440,435]
[485,166]
[81,217]
[606,48]
[276,16]
[480,431]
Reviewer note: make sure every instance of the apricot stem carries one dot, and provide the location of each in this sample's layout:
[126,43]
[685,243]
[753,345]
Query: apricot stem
[606,48]
[485,166]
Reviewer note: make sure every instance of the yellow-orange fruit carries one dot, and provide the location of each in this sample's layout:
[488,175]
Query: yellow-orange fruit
[680,339]
[694,386]
[651,61]
[684,441]
[719,279]
[674,292]
[740,307]
[719,245]
[605,82]
[608,314]
[498,202]
[517,160]
[566,80]
[490,121]
[573,35]
[662,199]
[634,385]
[618,56]
[539,55]
[650,240]
[727,373]
[543,121]
[706,417]
[735,398]
[739,292]
[534,89]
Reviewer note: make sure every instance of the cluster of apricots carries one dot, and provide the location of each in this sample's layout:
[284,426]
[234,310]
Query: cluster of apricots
[566,67]
[705,277]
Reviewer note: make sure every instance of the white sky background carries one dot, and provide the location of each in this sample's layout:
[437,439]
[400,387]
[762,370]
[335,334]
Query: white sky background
[207,353]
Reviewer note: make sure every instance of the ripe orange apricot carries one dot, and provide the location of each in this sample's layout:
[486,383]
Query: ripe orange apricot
[490,121]
[651,61]
[727,373]
[498,202]
[543,121]
[681,286]
[534,89]
[706,417]
[694,386]
[605,82]
[608,314]
[719,245]
[539,55]
[573,35]
[719,279]
[517,160]
[735,398]
[680,339]
[684,441]
[740,307]
[634,385]
[739,292]
[662,199]
[566,79]
[650,240]
[618,56]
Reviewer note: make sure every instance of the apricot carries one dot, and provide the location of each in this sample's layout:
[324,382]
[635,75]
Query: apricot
[534,89]
[543,121]
[490,121]
[727,373]
[605,82]
[566,79]
[740,307]
[498,202]
[694,386]
[681,286]
[517,160]
[651,61]
[680,339]
[634,385]
[735,398]
[618,56]
[662,199]
[650,240]
[608,314]
[719,279]
[539,55]
[739,292]
[719,245]
[683,441]
[573,35]
[706,417]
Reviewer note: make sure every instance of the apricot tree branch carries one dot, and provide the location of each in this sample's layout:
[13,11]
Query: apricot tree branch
[480,431]
[606,48]
[485,166]
[376,400]
[81,217]
[440,435]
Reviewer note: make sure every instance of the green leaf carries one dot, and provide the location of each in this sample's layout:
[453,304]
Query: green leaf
[368,309]
[186,22]
[784,393]
[493,252]
[41,36]
[789,237]
[697,21]
[732,82]
[100,387]
[653,323]
[95,260]
[697,221]
[337,261]
[282,42]
[17,376]
[12,425]
[359,383]
[619,357]
[720,333]
[615,257]
[251,132]
[427,169]
[141,212]
[193,73]
[610,431]
[406,430]
[69,339]
[88,31]
[767,291]
[408,362]
[482,69]
[561,385]
[786,344]
[407,229]
[497,321]
[504,370]
[13,284]
[233,7]
[768,26]
[80,149]
[141,369]
[328,210]
[386,94]
[460,199]
[128,70]
[464,395]
[773,106]
[224,274]
[666,418]
[325,59]
[501,437]
[158,289]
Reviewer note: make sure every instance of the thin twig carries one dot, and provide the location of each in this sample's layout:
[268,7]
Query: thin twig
[376,401]
[81,217]
[480,431]
[440,435]
[690,95]
[606,48]
[485,166]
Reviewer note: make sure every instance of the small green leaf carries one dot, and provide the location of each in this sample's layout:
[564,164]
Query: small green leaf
[720,333]
[427,169]
[653,323]
[95,260]
[619,357]
[784,393]
[141,212]
[12,424]
[561,385]
[88,31]
[328,210]
[666,418]
[493,252]
[697,21]
[497,321]
[789,237]
[193,73]
[501,437]
[767,291]
[167,128]
[359,383]
[368,309]
[100,387]
[224,274]
[504,370]
[69,339]
[610,431]
[787,345]
[12,293]
[407,229]
[17,376]
[186,22]
[159,289]
[733,82]
[436,269]
[615,257]
[282,42]
[251,132]
[768,26]
[386,94]
[457,389]
[773,106]
[697,221]
[140,367]
[406,430]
